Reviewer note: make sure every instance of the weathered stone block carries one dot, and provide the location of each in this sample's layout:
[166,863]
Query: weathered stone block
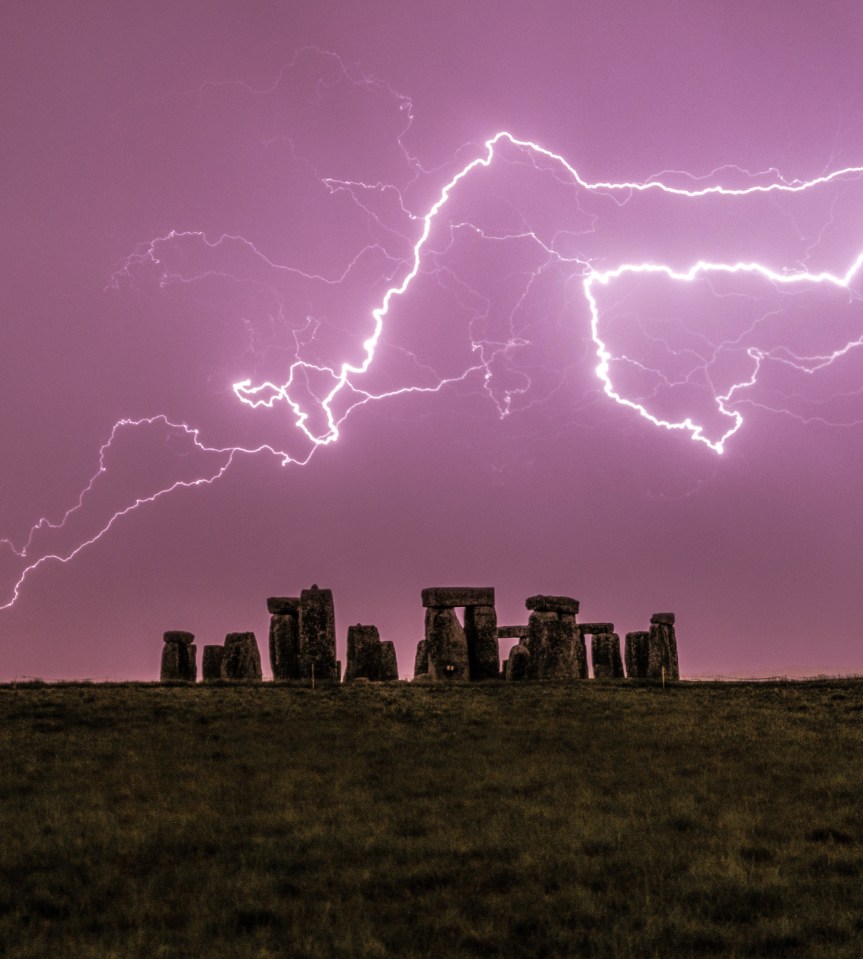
[389,664]
[512,632]
[179,662]
[480,626]
[364,653]
[605,654]
[636,654]
[558,659]
[518,664]
[662,654]
[538,625]
[179,636]
[283,605]
[441,597]
[241,659]
[421,663]
[317,635]
[284,646]
[579,648]
[664,619]
[447,645]
[211,663]
[595,629]
[552,604]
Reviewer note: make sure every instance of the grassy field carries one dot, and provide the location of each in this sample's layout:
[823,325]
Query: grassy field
[614,820]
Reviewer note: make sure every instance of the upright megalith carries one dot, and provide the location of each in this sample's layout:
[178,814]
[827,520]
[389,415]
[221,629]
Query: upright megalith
[662,643]
[389,664]
[179,657]
[605,655]
[211,663]
[421,662]
[518,663]
[241,659]
[284,637]
[446,645]
[555,645]
[471,652]
[636,654]
[317,631]
[364,653]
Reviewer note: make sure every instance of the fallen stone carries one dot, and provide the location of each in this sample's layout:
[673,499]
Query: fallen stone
[552,604]
[284,647]
[447,645]
[211,663]
[364,653]
[664,619]
[636,654]
[441,597]
[179,636]
[605,655]
[421,663]
[283,605]
[389,665]
[483,649]
[241,659]
[512,632]
[518,664]
[318,635]
[179,662]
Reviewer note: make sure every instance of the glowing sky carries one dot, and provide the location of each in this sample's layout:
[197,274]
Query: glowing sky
[553,297]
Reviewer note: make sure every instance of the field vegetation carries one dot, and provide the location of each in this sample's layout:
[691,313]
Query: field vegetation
[512,820]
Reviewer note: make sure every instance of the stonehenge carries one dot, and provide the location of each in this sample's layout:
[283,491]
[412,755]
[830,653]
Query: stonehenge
[552,645]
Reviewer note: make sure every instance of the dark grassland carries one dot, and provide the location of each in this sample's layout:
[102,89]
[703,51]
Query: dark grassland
[616,820]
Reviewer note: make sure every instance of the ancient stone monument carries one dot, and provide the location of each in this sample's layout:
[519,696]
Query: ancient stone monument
[284,637]
[421,662]
[662,647]
[368,657]
[211,663]
[635,654]
[455,652]
[604,650]
[179,657]
[556,647]
[317,632]
[241,659]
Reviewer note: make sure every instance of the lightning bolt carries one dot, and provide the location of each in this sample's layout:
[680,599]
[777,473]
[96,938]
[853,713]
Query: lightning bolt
[342,392]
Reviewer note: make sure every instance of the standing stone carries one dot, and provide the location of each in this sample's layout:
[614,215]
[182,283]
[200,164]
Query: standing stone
[179,658]
[480,626]
[284,637]
[579,646]
[538,625]
[446,644]
[211,663]
[318,634]
[241,659]
[421,663]
[389,668]
[636,654]
[605,653]
[364,653]
[518,664]
[558,659]
[662,651]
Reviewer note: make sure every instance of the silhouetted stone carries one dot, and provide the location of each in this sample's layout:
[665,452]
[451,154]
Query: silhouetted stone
[605,654]
[441,597]
[283,606]
[389,664]
[211,663]
[594,629]
[284,643]
[558,659]
[552,604]
[480,626]
[579,651]
[364,653]
[512,632]
[318,635]
[179,636]
[636,654]
[179,659]
[518,663]
[241,659]
[662,652]
[446,644]
[663,619]
[538,625]
[421,663]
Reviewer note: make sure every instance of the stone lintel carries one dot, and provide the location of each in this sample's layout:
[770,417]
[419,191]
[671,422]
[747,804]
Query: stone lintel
[594,629]
[512,632]
[179,636]
[552,604]
[663,619]
[283,605]
[448,597]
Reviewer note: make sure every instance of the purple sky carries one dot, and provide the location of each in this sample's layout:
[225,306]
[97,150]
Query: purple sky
[201,194]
